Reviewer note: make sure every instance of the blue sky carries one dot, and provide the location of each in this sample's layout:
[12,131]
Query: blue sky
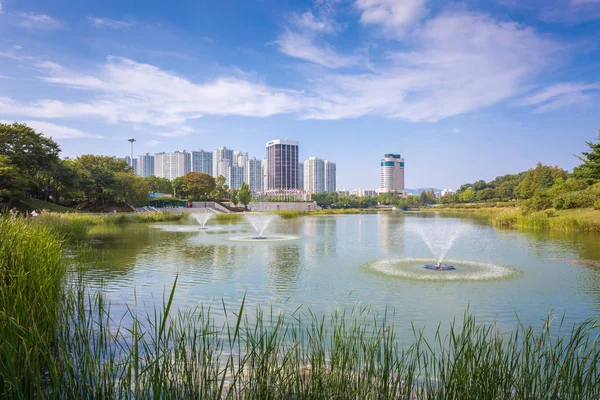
[463,90]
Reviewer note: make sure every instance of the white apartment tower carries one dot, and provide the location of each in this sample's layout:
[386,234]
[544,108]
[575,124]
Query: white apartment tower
[301,175]
[171,165]
[220,154]
[314,175]
[392,174]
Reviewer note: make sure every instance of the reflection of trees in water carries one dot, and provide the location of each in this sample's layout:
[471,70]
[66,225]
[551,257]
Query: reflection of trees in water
[114,250]
[283,270]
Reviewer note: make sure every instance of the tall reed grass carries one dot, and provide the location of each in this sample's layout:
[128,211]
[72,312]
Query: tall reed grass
[268,354]
[228,217]
[31,287]
[547,219]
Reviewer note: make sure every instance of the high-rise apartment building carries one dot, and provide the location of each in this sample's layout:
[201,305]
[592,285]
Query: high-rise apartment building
[235,176]
[201,161]
[145,165]
[301,175]
[314,175]
[265,170]
[392,174]
[282,164]
[330,176]
[254,174]
[220,154]
[171,165]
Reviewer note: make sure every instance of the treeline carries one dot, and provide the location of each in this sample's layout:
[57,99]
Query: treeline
[541,188]
[30,167]
[334,200]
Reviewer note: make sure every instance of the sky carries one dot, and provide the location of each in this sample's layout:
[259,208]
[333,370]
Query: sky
[462,90]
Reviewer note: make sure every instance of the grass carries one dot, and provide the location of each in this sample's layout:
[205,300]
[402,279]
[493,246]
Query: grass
[351,354]
[31,285]
[289,214]
[228,217]
[31,204]
[583,220]
[74,227]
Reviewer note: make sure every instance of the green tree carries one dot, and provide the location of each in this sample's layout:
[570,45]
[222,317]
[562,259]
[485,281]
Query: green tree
[12,184]
[29,154]
[538,180]
[130,188]
[590,169]
[220,190]
[198,186]
[97,177]
[178,187]
[234,197]
[245,195]
[159,185]
[467,195]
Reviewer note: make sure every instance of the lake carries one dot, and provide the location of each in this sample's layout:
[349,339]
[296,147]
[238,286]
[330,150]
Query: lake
[341,261]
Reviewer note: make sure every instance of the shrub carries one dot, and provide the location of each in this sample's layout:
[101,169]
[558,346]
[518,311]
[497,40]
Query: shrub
[597,204]
[578,199]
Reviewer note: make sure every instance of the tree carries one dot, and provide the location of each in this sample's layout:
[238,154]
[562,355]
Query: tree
[12,184]
[468,195]
[130,188]
[234,197]
[198,186]
[29,155]
[178,187]
[97,176]
[159,185]
[245,195]
[220,190]
[590,169]
[538,180]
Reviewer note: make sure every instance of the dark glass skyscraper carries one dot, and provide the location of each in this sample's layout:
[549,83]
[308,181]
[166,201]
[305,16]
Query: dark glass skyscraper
[282,165]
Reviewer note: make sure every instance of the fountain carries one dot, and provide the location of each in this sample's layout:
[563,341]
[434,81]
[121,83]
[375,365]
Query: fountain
[202,218]
[260,222]
[439,238]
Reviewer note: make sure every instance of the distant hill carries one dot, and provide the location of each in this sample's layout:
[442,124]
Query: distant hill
[418,191]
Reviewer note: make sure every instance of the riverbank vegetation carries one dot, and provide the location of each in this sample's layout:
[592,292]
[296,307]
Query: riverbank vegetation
[65,341]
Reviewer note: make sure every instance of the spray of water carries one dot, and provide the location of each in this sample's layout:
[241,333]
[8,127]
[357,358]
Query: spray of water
[440,235]
[202,218]
[260,222]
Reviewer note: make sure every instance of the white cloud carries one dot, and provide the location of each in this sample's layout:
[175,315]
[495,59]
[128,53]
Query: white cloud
[463,62]
[56,131]
[308,21]
[123,90]
[152,143]
[560,95]
[36,21]
[303,46]
[1,7]
[394,16]
[109,23]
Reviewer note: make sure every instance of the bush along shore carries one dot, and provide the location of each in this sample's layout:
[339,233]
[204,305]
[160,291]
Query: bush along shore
[63,341]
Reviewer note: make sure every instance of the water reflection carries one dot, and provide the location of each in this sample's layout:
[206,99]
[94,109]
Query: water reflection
[283,269]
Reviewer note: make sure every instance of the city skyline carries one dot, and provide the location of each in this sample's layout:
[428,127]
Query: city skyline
[465,90]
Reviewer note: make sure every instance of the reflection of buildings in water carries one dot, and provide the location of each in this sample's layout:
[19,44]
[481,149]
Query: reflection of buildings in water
[391,232]
[283,269]
[228,260]
[322,233]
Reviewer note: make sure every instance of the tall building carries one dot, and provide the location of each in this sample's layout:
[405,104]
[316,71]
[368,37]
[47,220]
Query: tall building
[171,165]
[265,170]
[301,175]
[330,176]
[254,174]
[220,154]
[282,164]
[392,174]
[145,165]
[314,175]
[201,161]
[235,176]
